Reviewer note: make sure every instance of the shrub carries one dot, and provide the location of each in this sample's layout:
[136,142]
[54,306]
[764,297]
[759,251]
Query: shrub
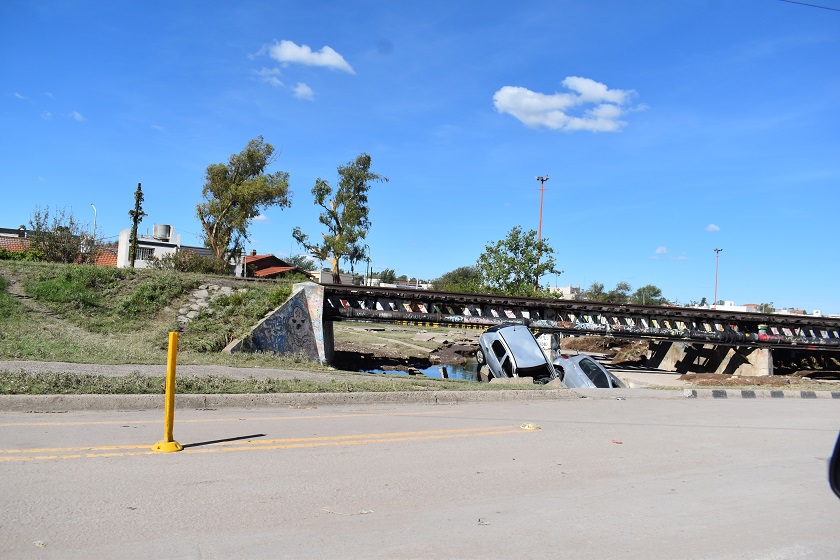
[187,261]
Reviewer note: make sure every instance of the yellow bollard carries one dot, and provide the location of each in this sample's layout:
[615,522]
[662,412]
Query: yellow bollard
[168,444]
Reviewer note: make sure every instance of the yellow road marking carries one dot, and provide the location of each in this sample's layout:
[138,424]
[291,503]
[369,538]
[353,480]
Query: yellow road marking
[254,445]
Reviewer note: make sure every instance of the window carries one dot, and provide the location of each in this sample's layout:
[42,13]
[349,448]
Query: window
[594,373]
[144,253]
[498,349]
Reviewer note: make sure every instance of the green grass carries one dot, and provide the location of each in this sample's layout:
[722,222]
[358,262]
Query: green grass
[8,305]
[26,383]
[87,314]
[228,317]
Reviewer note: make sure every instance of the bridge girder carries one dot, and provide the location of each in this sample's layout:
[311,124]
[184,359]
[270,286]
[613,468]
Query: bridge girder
[343,302]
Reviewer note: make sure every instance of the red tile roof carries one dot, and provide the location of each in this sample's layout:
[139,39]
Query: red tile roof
[273,271]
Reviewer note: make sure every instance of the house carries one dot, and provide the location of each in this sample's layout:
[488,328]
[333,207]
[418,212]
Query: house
[162,242]
[265,266]
[324,276]
[14,240]
[19,241]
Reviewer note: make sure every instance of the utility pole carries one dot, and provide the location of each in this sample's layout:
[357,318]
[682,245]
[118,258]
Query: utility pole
[717,259]
[542,180]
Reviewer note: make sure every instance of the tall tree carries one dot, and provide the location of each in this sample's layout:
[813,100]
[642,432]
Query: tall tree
[345,215]
[619,294]
[462,279]
[302,262]
[235,193]
[136,216]
[648,295]
[388,276]
[510,265]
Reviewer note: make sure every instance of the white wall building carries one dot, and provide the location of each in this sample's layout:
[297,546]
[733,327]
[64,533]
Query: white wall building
[161,243]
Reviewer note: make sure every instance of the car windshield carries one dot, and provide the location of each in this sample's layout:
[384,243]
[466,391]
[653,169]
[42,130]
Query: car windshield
[524,348]
[594,373]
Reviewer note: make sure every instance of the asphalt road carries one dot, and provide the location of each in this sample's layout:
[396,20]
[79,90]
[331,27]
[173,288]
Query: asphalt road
[637,478]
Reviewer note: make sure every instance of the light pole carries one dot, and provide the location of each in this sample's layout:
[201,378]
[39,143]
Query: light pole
[717,259]
[542,180]
[94,220]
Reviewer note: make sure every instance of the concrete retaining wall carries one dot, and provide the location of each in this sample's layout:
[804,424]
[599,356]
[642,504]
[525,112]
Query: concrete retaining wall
[296,327]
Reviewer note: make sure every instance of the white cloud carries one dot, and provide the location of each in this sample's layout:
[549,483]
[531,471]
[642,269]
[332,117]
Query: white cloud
[46,115]
[269,76]
[261,218]
[712,228]
[287,52]
[76,116]
[303,91]
[661,251]
[20,96]
[554,111]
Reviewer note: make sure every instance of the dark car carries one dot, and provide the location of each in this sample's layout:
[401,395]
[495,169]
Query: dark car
[512,351]
[583,372]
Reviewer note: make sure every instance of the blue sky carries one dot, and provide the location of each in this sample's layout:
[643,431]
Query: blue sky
[668,129]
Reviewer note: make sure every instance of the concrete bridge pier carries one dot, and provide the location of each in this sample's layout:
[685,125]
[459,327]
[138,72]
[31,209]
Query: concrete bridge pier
[296,327]
[683,357]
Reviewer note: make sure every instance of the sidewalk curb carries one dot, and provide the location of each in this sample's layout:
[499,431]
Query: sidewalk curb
[758,394]
[78,403]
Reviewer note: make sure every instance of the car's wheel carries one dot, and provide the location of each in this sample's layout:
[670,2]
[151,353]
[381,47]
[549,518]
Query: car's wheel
[479,357]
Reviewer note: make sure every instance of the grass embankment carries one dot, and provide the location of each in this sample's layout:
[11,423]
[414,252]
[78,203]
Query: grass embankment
[87,314]
[95,315]
[23,383]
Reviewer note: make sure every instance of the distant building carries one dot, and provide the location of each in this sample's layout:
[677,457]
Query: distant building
[568,292]
[161,243]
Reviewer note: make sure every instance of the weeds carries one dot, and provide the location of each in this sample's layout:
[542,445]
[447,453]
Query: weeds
[8,305]
[25,383]
[230,316]
[154,293]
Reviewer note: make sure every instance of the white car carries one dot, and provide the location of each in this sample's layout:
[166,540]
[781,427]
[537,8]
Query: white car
[584,372]
[512,351]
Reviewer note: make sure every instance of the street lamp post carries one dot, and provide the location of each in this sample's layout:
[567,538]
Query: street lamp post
[717,260]
[542,180]
[94,219]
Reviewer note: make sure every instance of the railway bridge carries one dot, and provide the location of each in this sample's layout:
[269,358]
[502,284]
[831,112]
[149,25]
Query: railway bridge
[680,339]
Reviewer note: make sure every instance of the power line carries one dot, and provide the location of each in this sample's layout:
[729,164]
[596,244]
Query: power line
[811,5]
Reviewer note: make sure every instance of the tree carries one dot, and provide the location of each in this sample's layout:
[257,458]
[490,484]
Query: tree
[235,193]
[510,265]
[58,238]
[136,216]
[648,295]
[302,262]
[620,294]
[345,215]
[388,276]
[596,292]
[462,279]
[766,308]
